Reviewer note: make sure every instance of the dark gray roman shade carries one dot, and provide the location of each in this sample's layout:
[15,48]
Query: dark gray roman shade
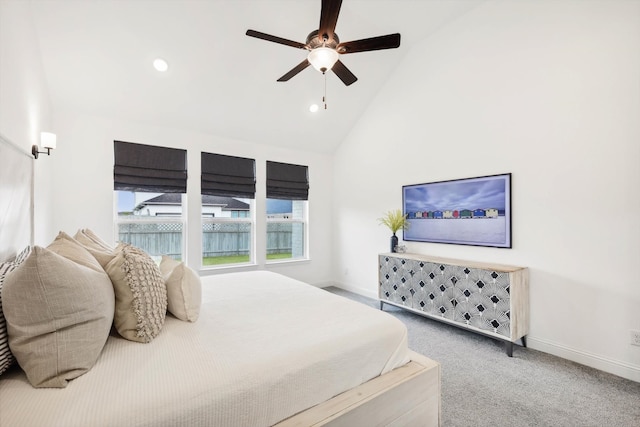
[147,168]
[286,181]
[228,176]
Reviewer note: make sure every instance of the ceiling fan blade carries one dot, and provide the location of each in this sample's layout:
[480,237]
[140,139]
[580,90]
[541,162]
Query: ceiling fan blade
[390,41]
[343,73]
[295,70]
[329,17]
[275,39]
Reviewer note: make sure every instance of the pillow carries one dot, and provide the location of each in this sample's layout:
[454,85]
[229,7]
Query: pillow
[102,252]
[184,290]
[6,357]
[95,239]
[141,296]
[66,246]
[59,314]
[22,255]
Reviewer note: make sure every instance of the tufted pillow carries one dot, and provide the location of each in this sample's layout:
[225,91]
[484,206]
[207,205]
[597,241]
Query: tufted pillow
[102,252]
[59,314]
[184,289]
[141,296]
[6,357]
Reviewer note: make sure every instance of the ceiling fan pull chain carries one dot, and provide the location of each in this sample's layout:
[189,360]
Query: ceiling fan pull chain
[324,98]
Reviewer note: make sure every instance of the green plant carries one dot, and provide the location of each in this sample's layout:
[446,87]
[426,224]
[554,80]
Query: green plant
[394,220]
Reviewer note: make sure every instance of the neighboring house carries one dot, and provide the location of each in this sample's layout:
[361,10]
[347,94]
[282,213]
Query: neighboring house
[212,206]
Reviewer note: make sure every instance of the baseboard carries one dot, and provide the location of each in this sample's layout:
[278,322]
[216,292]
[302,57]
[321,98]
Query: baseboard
[324,284]
[615,367]
[357,290]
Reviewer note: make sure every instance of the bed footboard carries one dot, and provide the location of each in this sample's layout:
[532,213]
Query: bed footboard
[407,396]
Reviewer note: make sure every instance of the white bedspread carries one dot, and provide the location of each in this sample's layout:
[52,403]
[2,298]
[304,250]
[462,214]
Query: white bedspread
[265,347]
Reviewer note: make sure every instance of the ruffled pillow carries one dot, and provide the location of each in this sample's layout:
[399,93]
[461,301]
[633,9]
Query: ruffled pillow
[141,296]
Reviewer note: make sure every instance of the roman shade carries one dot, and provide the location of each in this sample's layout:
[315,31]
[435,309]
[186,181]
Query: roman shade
[148,168]
[228,176]
[287,181]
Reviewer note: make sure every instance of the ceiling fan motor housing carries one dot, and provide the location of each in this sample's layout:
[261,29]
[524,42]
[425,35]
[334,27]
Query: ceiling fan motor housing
[314,40]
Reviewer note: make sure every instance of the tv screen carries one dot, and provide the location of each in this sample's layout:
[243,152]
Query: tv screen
[469,211]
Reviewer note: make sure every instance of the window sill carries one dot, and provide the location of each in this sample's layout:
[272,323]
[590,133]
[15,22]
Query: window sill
[206,270]
[288,261]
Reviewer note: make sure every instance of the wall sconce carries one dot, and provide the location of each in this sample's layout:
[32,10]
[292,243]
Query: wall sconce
[47,141]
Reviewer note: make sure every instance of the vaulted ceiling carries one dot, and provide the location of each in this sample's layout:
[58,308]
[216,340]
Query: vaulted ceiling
[97,56]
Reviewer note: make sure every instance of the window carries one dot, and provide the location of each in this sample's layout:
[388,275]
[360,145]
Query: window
[149,184]
[151,221]
[286,229]
[287,193]
[228,190]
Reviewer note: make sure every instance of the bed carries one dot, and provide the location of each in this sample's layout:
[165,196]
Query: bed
[265,350]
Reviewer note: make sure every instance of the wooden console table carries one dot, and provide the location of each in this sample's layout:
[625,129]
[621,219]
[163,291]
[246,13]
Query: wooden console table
[490,299]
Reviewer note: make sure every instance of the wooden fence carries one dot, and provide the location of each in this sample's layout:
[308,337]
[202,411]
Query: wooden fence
[218,239]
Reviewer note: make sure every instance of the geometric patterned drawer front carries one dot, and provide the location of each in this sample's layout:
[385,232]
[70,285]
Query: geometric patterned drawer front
[467,295]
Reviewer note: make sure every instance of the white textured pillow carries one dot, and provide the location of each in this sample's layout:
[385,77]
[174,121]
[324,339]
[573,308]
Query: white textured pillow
[184,289]
[6,357]
[59,314]
[141,296]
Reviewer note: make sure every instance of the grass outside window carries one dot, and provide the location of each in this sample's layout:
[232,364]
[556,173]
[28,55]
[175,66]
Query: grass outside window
[235,259]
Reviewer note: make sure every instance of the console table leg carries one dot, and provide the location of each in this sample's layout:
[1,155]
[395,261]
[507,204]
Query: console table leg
[508,346]
[381,302]
[524,341]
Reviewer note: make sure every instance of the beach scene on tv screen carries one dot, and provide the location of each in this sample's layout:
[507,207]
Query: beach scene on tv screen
[472,211]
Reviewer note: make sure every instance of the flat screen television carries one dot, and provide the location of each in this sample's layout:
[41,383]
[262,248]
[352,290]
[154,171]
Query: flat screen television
[469,211]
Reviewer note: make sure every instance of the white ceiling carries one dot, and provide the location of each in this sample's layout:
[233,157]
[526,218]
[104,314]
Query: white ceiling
[98,54]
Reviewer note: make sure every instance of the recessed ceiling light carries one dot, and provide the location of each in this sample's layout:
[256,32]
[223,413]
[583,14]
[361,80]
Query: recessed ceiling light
[313,108]
[161,65]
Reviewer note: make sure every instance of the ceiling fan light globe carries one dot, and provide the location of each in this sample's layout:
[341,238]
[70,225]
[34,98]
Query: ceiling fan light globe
[323,58]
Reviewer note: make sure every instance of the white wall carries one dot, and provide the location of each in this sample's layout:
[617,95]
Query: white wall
[83,173]
[549,91]
[24,100]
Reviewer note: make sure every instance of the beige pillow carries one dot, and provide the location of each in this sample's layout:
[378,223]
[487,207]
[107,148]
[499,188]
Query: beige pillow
[184,289]
[95,239]
[102,252]
[59,314]
[141,296]
[71,249]
[6,358]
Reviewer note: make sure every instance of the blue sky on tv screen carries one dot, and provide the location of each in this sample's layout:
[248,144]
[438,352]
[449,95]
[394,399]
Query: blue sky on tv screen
[474,194]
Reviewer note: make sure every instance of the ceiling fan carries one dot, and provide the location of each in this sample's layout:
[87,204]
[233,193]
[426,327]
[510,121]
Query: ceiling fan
[325,47]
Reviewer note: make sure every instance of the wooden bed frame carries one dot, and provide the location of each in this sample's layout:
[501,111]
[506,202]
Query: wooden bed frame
[407,396]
